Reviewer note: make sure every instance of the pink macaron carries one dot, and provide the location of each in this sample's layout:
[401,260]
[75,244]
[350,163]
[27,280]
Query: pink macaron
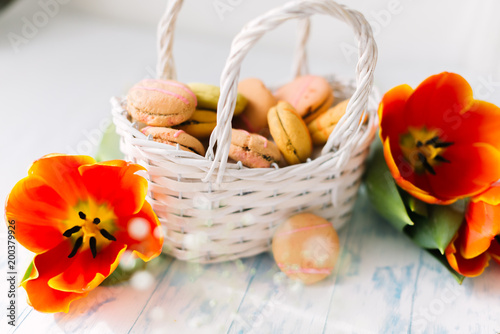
[310,95]
[253,150]
[161,102]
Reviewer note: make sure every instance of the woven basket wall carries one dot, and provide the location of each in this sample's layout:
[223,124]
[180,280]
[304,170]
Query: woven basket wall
[214,210]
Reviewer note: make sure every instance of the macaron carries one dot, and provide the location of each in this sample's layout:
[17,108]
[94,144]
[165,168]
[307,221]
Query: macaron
[173,137]
[208,97]
[290,133]
[201,124]
[253,150]
[306,247]
[161,102]
[260,100]
[310,95]
[322,127]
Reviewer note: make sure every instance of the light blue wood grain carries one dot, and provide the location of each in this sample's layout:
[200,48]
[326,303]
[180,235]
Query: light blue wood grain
[383,284]
[277,304]
[197,298]
[376,280]
[105,310]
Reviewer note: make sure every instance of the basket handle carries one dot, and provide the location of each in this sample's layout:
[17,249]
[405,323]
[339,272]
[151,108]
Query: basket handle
[299,66]
[342,138]
[165,68]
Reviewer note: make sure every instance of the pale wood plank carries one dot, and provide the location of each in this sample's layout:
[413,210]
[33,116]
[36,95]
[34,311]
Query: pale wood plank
[441,305]
[197,298]
[376,281]
[277,304]
[105,310]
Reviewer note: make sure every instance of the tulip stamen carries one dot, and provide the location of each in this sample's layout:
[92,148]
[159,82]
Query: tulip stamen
[78,244]
[107,235]
[82,215]
[96,221]
[497,238]
[432,141]
[93,246]
[419,144]
[440,158]
[425,163]
[443,144]
[68,233]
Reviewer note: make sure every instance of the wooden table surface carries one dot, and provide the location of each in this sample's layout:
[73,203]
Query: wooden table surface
[55,94]
[381,284]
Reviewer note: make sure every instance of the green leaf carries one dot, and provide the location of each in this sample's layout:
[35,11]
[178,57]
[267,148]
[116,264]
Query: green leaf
[436,230]
[383,192]
[28,272]
[441,258]
[109,148]
[417,206]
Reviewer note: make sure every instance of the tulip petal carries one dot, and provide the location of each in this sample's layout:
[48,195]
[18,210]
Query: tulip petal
[483,224]
[61,172]
[115,182]
[490,196]
[38,212]
[472,170]
[467,267]
[479,124]
[391,111]
[142,233]
[84,272]
[412,180]
[42,297]
[494,251]
[438,102]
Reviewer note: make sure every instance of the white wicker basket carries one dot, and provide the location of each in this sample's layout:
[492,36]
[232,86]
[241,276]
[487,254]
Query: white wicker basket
[214,210]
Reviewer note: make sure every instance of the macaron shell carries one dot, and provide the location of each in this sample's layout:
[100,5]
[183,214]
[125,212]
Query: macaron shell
[161,102]
[173,137]
[290,133]
[320,110]
[306,247]
[306,94]
[248,158]
[201,124]
[156,120]
[322,127]
[260,100]
[208,97]
[253,150]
